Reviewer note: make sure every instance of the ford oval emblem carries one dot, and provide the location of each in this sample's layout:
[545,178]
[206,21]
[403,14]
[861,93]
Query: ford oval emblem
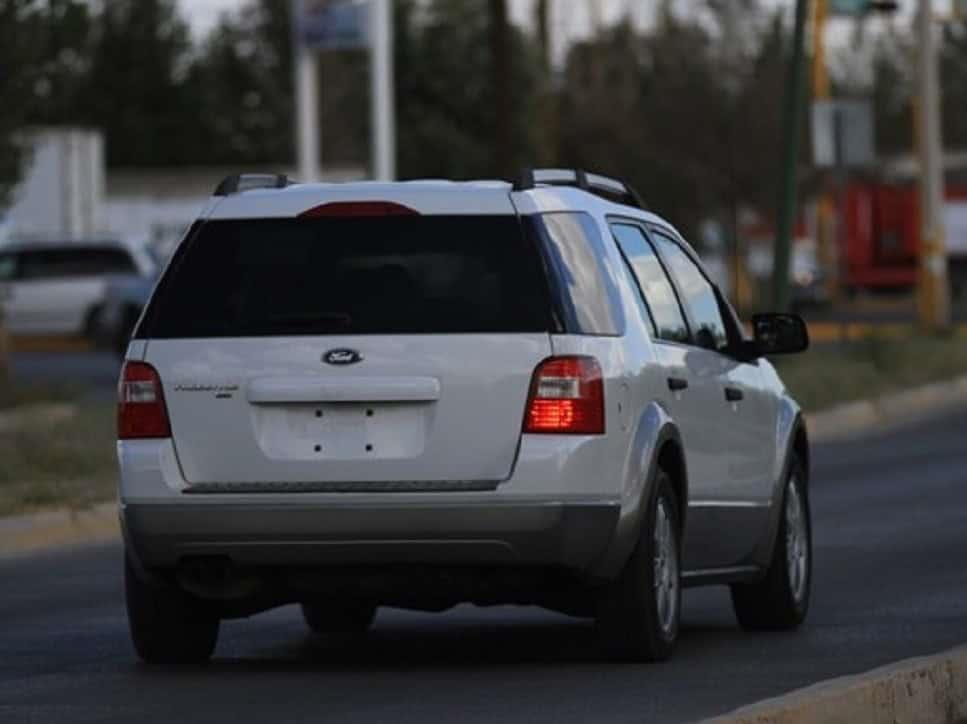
[342,357]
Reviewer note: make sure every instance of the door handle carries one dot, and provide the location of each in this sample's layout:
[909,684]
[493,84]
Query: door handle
[734,394]
[676,384]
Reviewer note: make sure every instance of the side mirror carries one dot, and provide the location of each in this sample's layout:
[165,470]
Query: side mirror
[779,334]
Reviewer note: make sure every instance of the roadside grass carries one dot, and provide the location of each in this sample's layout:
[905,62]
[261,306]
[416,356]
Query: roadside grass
[832,374]
[16,394]
[54,464]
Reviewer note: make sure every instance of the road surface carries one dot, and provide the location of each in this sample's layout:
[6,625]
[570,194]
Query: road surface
[891,582]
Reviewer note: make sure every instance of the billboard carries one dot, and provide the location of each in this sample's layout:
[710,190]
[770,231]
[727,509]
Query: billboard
[331,24]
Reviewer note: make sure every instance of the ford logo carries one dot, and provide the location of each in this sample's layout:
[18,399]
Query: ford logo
[342,357]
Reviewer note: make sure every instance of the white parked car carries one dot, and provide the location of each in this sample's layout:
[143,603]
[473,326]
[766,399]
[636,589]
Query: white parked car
[427,393]
[59,287]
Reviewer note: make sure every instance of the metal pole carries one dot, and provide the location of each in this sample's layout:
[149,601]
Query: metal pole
[792,126]
[826,205]
[307,113]
[382,96]
[933,292]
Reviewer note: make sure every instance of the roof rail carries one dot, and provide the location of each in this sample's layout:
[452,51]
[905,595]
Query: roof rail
[239,182]
[603,186]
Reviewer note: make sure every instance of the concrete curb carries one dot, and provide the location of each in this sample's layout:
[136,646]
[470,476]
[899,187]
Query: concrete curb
[925,690]
[50,529]
[853,418]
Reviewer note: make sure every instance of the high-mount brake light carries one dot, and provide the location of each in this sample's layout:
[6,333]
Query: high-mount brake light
[351,209]
[566,397]
[142,413]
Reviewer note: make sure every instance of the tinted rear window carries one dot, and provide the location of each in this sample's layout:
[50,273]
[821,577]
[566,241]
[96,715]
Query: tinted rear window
[376,275]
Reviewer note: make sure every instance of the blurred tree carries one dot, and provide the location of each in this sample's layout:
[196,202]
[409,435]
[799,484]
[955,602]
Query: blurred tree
[16,51]
[688,118]
[893,94]
[46,44]
[136,90]
[242,78]
[448,92]
[953,80]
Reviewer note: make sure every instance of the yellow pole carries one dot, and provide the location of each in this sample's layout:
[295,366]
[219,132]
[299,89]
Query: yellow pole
[933,290]
[826,206]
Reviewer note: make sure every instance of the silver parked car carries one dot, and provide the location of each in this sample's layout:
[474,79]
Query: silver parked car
[59,287]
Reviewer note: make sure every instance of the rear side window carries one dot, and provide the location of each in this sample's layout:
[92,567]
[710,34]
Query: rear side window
[581,275]
[699,295]
[77,262]
[373,275]
[654,283]
[8,267]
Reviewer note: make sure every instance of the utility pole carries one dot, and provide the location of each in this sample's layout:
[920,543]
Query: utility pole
[792,126]
[307,111]
[826,205]
[933,292]
[382,90]
[501,86]
[547,148]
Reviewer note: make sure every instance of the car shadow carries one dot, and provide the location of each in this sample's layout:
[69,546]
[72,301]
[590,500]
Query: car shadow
[398,646]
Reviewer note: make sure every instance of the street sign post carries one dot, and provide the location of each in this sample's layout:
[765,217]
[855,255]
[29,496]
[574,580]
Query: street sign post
[327,25]
[331,24]
[842,133]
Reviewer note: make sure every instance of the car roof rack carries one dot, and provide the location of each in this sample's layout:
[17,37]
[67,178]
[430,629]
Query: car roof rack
[603,186]
[239,182]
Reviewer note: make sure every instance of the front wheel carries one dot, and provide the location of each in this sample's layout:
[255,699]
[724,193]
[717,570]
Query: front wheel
[639,613]
[780,600]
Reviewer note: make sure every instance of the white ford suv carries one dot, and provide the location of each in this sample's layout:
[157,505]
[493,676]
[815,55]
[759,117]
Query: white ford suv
[426,393]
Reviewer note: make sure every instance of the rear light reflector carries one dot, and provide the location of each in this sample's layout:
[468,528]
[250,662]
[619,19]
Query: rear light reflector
[141,404]
[566,397]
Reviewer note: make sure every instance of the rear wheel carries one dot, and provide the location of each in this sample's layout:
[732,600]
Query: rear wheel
[638,614]
[780,600]
[168,626]
[327,617]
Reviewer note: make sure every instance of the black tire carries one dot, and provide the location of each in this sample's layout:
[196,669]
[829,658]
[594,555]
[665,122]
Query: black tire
[349,617]
[628,615]
[777,602]
[167,625]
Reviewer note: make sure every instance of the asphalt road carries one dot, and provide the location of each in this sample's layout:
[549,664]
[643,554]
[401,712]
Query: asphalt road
[891,582]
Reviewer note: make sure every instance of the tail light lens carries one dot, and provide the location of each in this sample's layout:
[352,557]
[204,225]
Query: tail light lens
[566,397]
[141,404]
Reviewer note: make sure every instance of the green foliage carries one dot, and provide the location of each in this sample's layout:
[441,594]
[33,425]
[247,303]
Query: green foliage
[135,90]
[691,120]
[447,97]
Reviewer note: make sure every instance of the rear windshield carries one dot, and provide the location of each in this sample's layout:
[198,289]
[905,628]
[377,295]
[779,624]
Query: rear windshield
[374,275]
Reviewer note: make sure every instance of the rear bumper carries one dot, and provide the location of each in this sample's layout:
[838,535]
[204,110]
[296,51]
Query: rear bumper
[573,535]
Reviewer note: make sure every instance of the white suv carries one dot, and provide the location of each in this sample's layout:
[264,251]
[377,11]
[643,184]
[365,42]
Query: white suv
[426,393]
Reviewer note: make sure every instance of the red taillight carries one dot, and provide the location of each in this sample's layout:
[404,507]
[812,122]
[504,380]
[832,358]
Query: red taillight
[141,403]
[351,209]
[567,396]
